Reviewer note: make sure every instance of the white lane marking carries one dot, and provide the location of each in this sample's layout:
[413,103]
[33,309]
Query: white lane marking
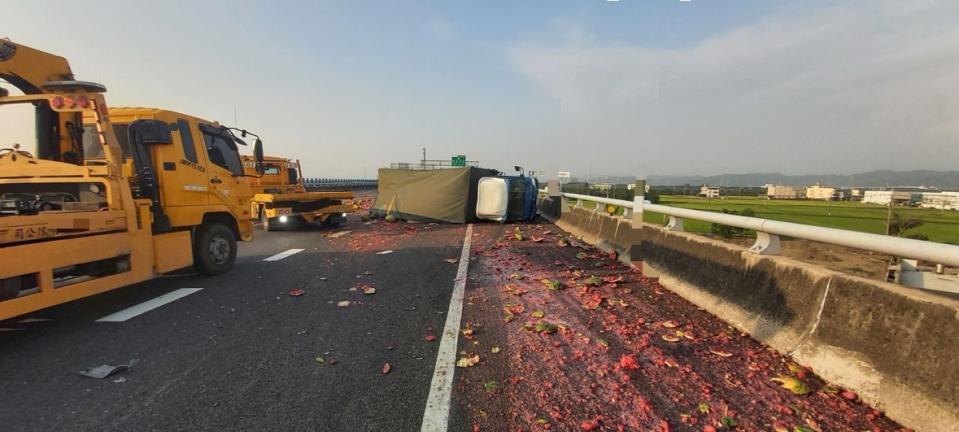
[283,254]
[437,415]
[148,305]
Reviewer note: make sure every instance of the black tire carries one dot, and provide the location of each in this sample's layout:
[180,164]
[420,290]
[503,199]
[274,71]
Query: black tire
[334,220]
[265,221]
[214,249]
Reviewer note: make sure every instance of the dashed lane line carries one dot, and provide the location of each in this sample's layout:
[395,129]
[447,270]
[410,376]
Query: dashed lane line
[148,305]
[283,254]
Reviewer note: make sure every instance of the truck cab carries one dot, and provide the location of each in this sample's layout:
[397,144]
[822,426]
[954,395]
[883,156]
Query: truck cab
[281,199]
[201,170]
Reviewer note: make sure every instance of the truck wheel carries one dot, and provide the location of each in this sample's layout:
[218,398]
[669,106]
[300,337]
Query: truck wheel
[333,220]
[214,249]
[264,221]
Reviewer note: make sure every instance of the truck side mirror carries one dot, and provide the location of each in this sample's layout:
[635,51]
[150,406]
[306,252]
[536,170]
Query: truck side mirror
[258,155]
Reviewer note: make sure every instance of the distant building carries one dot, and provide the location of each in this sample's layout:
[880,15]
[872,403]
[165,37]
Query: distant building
[884,197]
[781,192]
[855,194]
[709,191]
[940,200]
[818,192]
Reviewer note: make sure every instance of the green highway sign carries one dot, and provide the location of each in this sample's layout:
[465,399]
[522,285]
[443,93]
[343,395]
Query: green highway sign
[459,161]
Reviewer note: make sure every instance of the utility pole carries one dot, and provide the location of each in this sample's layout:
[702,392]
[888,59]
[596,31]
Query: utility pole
[423,163]
[892,196]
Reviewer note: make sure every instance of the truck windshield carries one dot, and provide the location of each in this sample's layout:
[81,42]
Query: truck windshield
[92,149]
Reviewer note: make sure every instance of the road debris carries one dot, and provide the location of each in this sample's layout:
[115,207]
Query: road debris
[385,252]
[105,370]
[365,288]
[469,361]
[387,368]
[622,352]
[296,292]
[452,260]
[339,234]
[343,304]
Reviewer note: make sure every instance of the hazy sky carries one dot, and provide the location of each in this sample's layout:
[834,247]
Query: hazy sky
[627,87]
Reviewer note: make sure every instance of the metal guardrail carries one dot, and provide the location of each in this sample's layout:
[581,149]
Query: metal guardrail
[768,232]
[326,183]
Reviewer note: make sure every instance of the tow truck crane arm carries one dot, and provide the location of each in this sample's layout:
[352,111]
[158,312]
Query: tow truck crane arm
[30,69]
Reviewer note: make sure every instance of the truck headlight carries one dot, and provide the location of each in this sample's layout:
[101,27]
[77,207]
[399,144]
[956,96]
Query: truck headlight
[283,219]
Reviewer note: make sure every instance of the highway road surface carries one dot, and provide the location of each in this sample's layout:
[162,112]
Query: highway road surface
[361,328]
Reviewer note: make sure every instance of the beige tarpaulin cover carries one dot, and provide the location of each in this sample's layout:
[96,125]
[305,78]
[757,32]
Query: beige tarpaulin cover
[447,195]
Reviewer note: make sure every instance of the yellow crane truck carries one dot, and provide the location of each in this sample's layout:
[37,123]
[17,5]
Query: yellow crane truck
[117,199]
[282,201]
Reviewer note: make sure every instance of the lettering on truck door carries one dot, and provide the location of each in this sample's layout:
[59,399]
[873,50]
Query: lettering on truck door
[183,170]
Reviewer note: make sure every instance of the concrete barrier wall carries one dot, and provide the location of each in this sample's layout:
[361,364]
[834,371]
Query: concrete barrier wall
[897,347]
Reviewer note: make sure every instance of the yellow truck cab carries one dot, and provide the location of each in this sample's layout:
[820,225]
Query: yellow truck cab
[93,205]
[201,172]
[282,201]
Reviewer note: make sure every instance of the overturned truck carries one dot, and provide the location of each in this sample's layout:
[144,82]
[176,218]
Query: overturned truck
[442,195]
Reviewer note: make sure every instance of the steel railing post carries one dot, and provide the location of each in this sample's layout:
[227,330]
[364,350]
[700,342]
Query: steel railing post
[636,233]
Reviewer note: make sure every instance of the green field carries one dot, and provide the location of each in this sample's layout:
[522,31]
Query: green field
[940,226]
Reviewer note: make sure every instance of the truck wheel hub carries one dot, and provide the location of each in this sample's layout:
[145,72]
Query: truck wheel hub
[219,249]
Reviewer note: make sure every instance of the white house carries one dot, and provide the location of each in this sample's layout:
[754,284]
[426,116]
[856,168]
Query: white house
[940,200]
[709,191]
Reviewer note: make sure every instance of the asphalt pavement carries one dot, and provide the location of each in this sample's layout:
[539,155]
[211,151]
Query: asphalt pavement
[242,353]
[340,330]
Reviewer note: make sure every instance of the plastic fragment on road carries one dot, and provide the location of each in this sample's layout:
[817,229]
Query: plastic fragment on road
[343,304]
[452,260]
[387,368]
[105,370]
[386,252]
[296,292]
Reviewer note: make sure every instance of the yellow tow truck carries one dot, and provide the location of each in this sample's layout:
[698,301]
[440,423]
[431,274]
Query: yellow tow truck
[106,198]
[282,201]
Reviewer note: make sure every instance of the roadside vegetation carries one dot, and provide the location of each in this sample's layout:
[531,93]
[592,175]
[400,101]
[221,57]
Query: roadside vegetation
[927,224]
[935,225]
